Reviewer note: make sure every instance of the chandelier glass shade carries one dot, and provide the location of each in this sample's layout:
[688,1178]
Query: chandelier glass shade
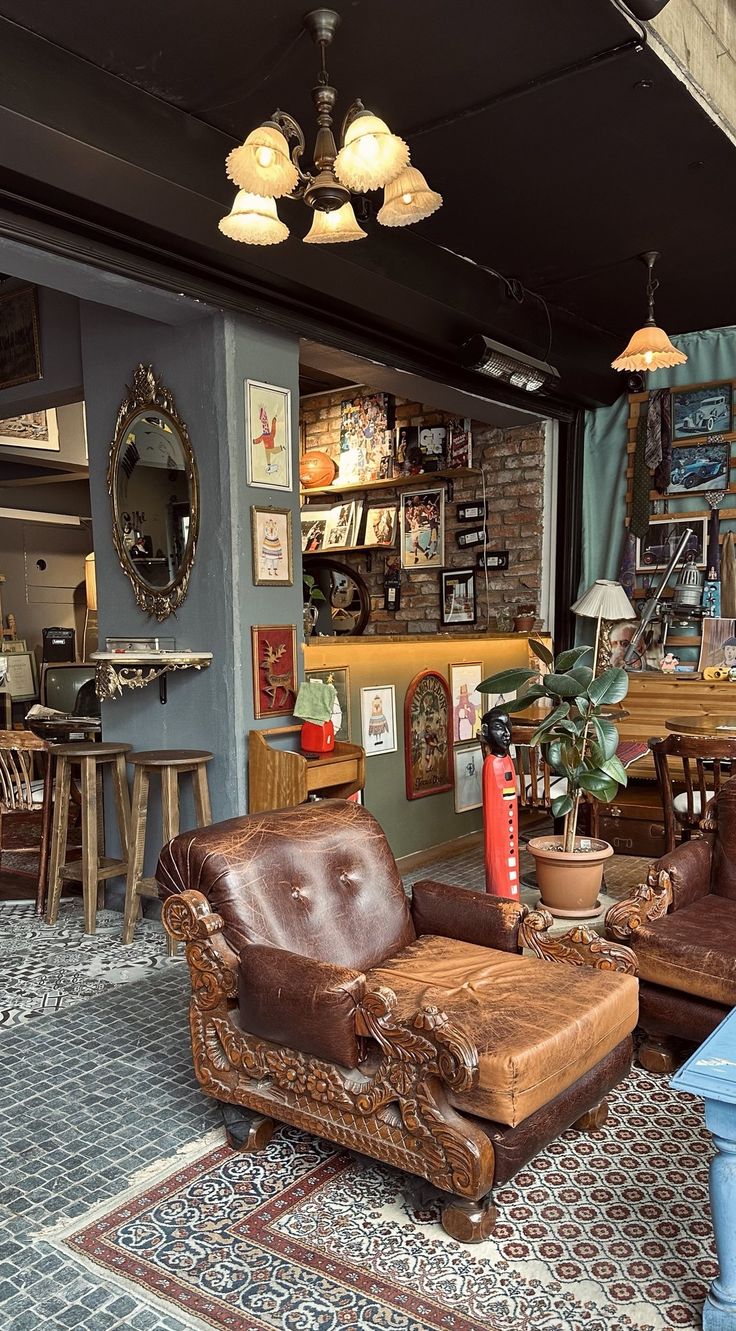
[267,166]
[407,199]
[254,220]
[649,348]
[263,165]
[339,225]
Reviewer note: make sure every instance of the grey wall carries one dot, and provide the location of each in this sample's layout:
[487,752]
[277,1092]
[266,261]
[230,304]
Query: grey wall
[42,597]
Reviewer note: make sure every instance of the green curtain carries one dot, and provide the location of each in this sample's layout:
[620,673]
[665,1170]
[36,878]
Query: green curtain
[711,355]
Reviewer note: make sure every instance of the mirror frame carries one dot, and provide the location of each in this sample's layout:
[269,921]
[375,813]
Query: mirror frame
[336,566]
[147,392]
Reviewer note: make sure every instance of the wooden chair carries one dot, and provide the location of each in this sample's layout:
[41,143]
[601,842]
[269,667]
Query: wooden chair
[537,784]
[23,794]
[702,764]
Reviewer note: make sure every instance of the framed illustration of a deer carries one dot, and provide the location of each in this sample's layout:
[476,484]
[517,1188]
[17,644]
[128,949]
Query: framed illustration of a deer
[274,669]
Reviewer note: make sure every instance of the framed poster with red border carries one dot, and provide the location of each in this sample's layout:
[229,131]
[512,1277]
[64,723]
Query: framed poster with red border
[428,736]
[274,669]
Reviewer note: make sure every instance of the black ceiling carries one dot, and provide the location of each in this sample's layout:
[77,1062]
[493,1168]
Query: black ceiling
[560,185]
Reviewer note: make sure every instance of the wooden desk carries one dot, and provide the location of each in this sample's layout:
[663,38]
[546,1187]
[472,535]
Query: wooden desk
[280,778]
[720,727]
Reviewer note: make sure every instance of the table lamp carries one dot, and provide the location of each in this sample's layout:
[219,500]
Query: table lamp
[604,600]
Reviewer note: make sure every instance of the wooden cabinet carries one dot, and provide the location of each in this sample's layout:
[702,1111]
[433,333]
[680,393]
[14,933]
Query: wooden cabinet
[280,778]
[653,697]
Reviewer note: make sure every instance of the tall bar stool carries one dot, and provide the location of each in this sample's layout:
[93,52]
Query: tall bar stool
[170,764]
[93,868]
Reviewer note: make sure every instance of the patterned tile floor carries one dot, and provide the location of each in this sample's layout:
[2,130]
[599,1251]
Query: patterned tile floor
[98,1085]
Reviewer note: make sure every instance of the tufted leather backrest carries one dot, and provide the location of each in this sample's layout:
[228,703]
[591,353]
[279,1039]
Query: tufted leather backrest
[318,879]
[723,875]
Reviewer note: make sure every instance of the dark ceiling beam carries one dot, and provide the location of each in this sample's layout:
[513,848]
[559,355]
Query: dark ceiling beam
[85,149]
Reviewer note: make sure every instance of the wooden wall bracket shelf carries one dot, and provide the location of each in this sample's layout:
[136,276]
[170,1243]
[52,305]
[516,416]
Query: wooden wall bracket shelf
[116,671]
[280,778]
[394,483]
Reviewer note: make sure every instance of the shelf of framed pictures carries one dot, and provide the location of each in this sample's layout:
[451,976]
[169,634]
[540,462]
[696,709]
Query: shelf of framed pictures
[395,482]
[349,550]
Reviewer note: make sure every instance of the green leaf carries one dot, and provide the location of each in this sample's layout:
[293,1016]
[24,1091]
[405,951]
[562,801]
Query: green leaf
[561,805]
[506,681]
[598,784]
[583,674]
[541,651]
[566,660]
[614,768]
[523,700]
[563,686]
[610,687]
[607,735]
[559,714]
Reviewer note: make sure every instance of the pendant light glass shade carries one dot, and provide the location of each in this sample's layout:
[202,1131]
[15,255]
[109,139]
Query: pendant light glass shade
[262,164]
[330,228]
[649,349]
[253,220]
[371,155]
[408,199]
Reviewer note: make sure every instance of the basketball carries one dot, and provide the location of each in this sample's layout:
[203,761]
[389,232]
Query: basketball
[316,469]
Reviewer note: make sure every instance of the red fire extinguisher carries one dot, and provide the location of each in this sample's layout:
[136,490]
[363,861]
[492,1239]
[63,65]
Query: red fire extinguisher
[500,808]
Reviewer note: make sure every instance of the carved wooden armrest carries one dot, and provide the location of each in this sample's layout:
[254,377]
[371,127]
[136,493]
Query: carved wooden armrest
[649,901]
[213,965]
[709,821]
[578,947]
[427,1042]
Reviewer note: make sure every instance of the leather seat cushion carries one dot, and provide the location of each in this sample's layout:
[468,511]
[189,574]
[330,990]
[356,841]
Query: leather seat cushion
[538,1026]
[679,803]
[692,950]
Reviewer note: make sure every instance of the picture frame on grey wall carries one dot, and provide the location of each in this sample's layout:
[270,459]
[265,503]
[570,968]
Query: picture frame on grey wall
[20,345]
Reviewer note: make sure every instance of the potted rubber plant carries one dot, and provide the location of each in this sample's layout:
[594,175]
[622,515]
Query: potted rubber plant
[578,740]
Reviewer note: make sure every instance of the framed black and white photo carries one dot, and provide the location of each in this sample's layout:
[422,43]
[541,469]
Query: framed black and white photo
[662,539]
[34,429]
[468,763]
[20,345]
[457,596]
[703,410]
[704,466]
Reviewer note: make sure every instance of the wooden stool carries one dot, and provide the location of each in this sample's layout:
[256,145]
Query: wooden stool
[93,868]
[170,764]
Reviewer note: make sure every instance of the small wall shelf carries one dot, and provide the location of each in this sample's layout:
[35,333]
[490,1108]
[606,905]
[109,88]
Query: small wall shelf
[116,671]
[395,483]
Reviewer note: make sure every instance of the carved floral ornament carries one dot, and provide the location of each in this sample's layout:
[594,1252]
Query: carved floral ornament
[147,395]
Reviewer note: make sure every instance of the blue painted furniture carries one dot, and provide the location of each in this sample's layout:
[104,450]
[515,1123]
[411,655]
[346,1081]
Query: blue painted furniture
[711,1073]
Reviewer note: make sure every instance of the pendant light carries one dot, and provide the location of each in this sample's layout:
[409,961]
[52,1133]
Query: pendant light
[649,348]
[267,166]
[408,199]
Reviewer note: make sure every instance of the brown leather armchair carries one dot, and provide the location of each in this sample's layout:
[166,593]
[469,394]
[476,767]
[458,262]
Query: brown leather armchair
[415,1033]
[681,924]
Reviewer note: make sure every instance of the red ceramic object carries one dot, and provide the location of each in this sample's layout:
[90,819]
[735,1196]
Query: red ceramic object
[318,738]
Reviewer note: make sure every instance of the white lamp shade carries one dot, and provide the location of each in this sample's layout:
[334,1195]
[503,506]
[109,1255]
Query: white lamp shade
[90,582]
[407,199]
[262,164]
[605,599]
[371,155]
[331,228]
[649,349]
[253,220]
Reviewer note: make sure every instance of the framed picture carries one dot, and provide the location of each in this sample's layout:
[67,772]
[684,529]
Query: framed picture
[271,536]
[340,525]
[468,764]
[340,677]
[378,719]
[274,669]
[614,643]
[422,527]
[703,410]
[268,425]
[662,539]
[11,646]
[427,736]
[718,646]
[381,525]
[313,522]
[457,596]
[705,466]
[20,348]
[366,438]
[467,703]
[21,679]
[459,443]
[35,429]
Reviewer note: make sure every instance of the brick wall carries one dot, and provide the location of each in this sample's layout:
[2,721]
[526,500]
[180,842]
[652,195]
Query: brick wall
[512,461]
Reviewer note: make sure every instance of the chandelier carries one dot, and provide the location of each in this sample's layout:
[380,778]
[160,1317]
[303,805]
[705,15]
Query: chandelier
[268,167]
[649,348]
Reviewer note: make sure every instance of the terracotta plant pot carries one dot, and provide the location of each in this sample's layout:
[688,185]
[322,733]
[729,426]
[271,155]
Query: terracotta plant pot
[524,623]
[569,881]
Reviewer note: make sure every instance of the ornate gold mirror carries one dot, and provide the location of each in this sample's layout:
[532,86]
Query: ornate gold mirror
[154,492]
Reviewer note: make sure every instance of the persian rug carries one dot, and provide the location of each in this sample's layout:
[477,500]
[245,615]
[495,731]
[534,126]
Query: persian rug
[45,967]
[605,1232]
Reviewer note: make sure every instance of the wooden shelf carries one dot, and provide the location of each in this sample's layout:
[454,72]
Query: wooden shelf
[396,482]
[347,550]
[281,778]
